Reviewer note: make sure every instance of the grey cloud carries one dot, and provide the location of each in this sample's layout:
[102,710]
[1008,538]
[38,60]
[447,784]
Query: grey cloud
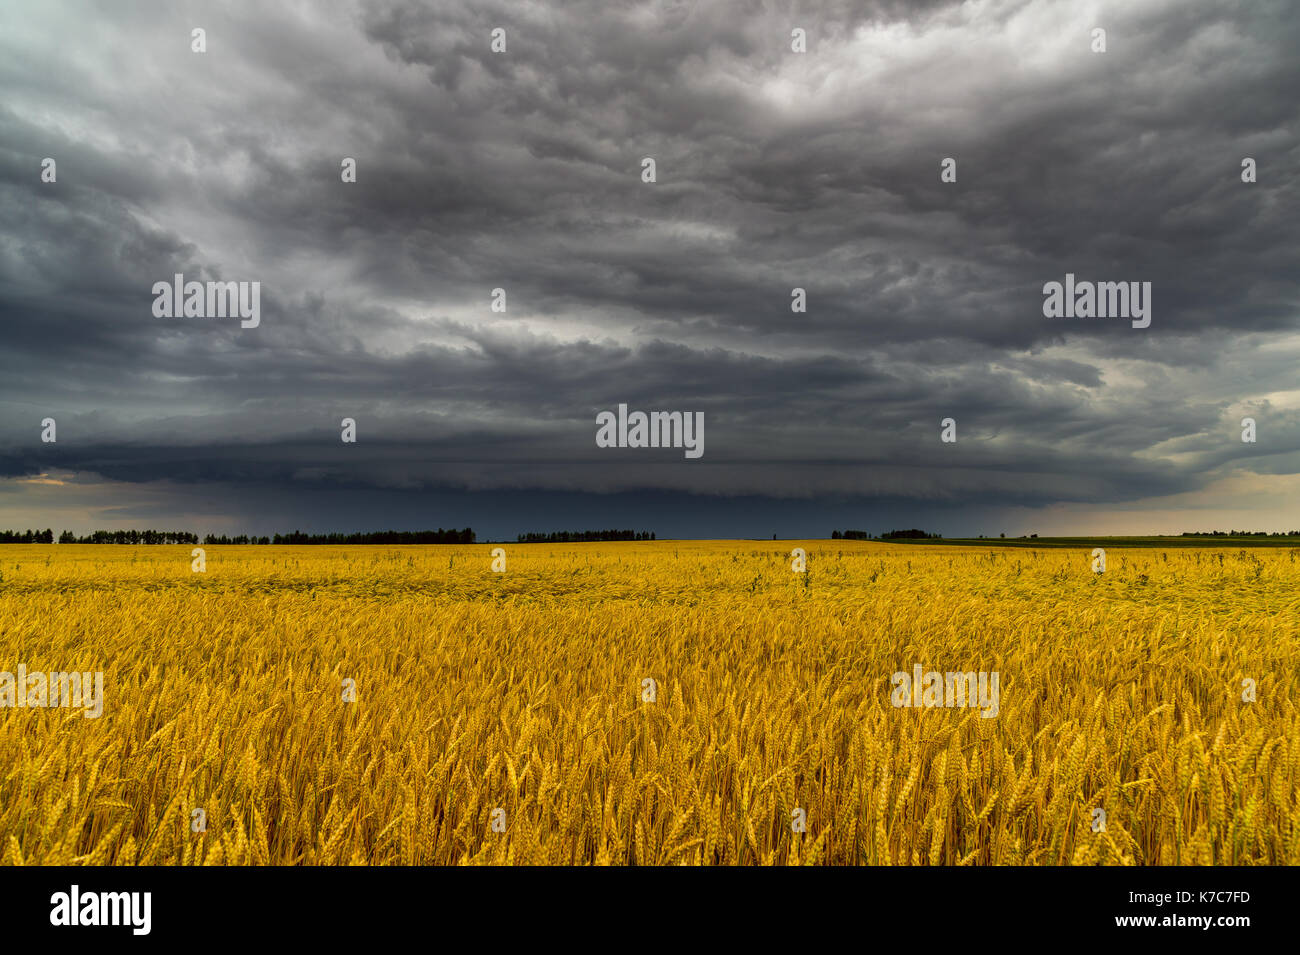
[775,171]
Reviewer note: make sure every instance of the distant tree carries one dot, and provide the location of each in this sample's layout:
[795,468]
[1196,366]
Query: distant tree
[913,533]
[568,537]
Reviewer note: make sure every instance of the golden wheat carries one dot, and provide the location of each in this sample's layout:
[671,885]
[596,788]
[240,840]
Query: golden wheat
[524,691]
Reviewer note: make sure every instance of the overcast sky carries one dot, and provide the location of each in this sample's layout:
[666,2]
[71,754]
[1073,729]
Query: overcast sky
[522,170]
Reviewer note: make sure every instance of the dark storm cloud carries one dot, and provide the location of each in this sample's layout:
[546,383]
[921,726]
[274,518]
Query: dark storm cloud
[775,170]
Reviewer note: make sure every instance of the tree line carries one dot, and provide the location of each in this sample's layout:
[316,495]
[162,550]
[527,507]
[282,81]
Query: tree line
[99,537]
[1241,534]
[573,537]
[439,536]
[912,533]
[27,537]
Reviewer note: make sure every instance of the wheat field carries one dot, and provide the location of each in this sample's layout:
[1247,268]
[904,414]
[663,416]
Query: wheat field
[526,691]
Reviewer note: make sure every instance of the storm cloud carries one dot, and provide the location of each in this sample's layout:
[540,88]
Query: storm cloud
[522,170]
